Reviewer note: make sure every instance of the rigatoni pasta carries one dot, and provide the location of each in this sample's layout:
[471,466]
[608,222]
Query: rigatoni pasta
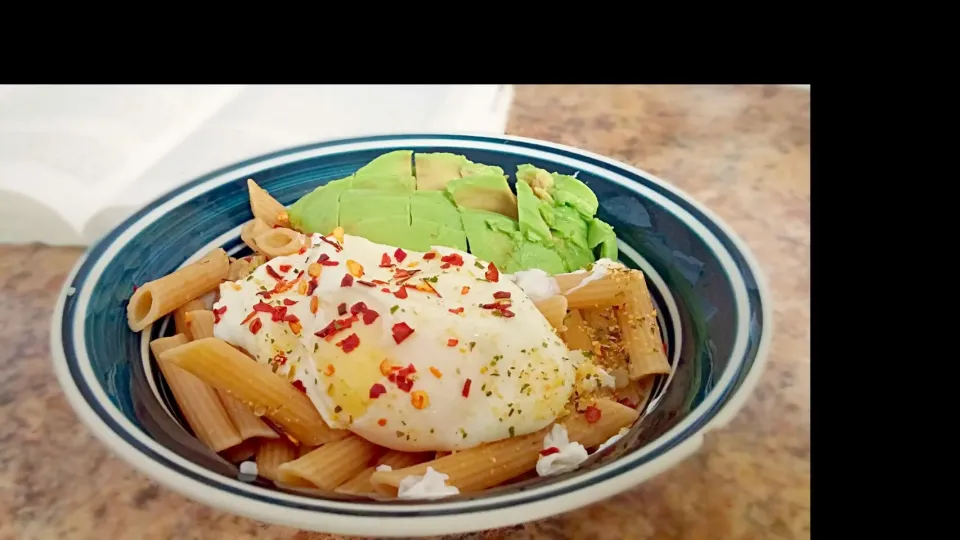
[279,242]
[161,296]
[604,291]
[361,485]
[332,464]
[641,331]
[265,207]
[554,309]
[271,454]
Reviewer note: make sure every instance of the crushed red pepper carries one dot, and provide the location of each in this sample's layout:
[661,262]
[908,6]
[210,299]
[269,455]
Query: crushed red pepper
[456,311]
[492,275]
[453,258]
[401,331]
[369,316]
[299,386]
[400,255]
[401,293]
[376,391]
[499,295]
[284,268]
[273,273]
[429,255]
[452,342]
[464,290]
[347,280]
[385,261]
[255,326]
[466,388]
[217,313]
[548,451]
[342,308]
[366,283]
[289,302]
[592,414]
[312,286]
[382,422]
[349,343]
[248,317]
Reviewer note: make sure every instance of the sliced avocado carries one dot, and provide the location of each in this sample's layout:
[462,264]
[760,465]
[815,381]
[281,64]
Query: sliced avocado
[569,191]
[396,163]
[385,182]
[359,205]
[529,255]
[436,207]
[532,225]
[487,192]
[567,223]
[479,169]
[397,231]
[601,234]
[435,169]
[491,235]
[574,256]
[319,210]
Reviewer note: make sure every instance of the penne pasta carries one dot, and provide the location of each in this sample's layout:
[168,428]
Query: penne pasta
[554,309]
[488,465]
[361,485]
[280,242]
[162,296]
[241,452]
[606,291]
[241,268]
[198,402]
[332,464]
[265,207]
[271,454]
[179,316]
[251,230]
[641,331]
[221,366]
[576,335]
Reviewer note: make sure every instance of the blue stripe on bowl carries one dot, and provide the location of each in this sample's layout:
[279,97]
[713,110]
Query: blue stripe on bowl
[280,180]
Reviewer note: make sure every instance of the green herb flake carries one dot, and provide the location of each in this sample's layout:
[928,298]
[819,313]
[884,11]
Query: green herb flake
[472,345]
[394,309]
[478,265]
[511,431]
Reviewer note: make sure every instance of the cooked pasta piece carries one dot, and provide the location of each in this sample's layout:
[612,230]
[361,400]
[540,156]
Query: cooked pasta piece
[280,242]
[243,267]
[161,296]
[604,331]
[265,207]
[576,335]
[332,464]
[554,309]
[220,365]
[360,484]
[179,316]
[251,230]
[636,393]
[198,402]
[488,465]
[641,331]
[272,454]
[606,291]
[241,452]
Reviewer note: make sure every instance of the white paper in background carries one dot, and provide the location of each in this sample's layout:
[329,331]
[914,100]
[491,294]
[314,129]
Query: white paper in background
[76,160]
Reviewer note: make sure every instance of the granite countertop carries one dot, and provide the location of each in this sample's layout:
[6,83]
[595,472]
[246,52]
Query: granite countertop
[743,151]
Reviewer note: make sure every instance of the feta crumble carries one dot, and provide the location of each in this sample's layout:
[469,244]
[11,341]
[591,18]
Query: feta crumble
[384,468]
[569,457]
[432,485]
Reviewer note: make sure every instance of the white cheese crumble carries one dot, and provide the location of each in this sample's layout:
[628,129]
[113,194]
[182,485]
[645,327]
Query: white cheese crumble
[248,468]
[600,269]
[432,485]
[537,284]
[71,291]
[606,380]
[570,456]
[384,468]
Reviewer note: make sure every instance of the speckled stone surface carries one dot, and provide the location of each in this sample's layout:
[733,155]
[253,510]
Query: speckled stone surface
[743,151]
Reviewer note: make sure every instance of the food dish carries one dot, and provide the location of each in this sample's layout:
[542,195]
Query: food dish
[139,411]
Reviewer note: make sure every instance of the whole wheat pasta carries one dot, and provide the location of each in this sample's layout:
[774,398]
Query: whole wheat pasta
[605,291]
[641,331]
[221,366]
[251,230]
[332,464]
[161,296]
[265,207]
[179,316]
[488,465]
[199,404]
[576,334]
[243,267]
[280,242]
[554,309]
[273,453]
[241,452]
[360,484]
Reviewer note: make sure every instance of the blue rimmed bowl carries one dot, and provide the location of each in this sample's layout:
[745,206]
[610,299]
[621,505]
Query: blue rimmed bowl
[713,305]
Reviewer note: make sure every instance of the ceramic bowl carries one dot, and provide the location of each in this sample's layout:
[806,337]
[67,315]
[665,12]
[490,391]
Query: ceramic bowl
[713,305]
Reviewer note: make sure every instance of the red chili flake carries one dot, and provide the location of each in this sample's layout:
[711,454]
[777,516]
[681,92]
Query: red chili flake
[382,422]
[400,255]
[402,275]
[404,384]
[379,281]
[501,294]
[265,294]
[217,313]
[248,317]
[312,286]
[289,302]
[548,451]
[385,289]
[302,250]
[426,287]
[335,326]
[508,314]
[284,268]
[347,280]
[263,307]
[492,275]
[452,342]
[273,273]
[385,261]
[333,243]
[664,343]
[466,389]
[464,290]
[255,326]
[291,318]
[280,359]
[324,260]
[453,258]
[429,255]
[401,331]
[495,305]
[135,287]
[376,391]
[366,283]
[444,266]
[401,293]
[456,311]
[359,307]
[342,308]
[369,316]
[299,386]
[407,371]
[592,414]
[349,343]
[627,402]
[279,313]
